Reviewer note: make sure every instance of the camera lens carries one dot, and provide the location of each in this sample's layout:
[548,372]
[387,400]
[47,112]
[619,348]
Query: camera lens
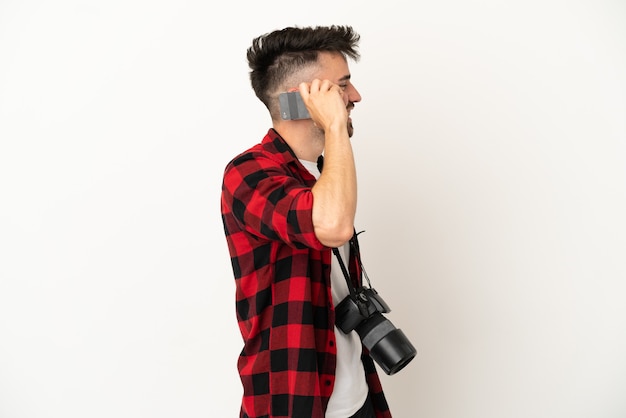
[387,345]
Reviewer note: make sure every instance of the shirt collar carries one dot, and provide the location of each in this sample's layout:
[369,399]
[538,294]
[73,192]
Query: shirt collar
[278,147]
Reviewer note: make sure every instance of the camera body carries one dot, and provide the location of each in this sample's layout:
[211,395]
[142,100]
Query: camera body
[363,313]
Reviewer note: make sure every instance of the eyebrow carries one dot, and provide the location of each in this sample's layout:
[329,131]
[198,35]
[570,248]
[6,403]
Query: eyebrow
[345,78]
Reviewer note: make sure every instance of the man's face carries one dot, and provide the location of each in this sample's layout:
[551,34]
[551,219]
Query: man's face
[334,67]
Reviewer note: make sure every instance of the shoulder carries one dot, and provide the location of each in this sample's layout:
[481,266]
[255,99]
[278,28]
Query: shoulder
[272,151]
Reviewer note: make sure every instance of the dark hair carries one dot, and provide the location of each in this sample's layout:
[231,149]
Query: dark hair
[275,56]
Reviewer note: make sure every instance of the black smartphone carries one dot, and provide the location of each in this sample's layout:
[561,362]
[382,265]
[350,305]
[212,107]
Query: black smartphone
[292,107]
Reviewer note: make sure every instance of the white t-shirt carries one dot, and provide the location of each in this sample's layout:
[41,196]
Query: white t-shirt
[350,390]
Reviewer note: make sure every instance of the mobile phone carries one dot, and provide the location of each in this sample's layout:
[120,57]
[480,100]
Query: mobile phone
[292,107]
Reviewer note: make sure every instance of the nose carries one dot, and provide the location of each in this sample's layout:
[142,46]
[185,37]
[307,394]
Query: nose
[353,94]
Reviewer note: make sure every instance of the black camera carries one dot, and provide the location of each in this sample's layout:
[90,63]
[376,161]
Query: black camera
[387,345]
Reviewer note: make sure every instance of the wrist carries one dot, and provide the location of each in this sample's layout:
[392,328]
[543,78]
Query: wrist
[337,130]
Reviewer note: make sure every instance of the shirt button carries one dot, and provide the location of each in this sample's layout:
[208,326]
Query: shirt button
[331,343]
[328,383]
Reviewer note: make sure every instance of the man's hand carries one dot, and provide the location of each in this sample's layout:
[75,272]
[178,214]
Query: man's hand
[325,102]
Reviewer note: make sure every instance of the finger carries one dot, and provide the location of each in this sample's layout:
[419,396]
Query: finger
[326,85]
[316,85]
[337,89]
[305,89]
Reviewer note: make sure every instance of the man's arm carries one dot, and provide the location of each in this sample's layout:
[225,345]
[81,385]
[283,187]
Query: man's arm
[335,193]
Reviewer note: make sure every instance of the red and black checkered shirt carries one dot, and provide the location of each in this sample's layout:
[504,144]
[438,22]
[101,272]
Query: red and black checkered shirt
[283,297]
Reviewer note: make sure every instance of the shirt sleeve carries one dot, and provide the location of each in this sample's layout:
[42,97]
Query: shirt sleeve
[267,200]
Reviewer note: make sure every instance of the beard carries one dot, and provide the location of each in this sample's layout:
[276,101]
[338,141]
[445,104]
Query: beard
[350,127]
[319,132]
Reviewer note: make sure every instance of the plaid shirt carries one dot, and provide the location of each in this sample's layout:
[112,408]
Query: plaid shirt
[283,297]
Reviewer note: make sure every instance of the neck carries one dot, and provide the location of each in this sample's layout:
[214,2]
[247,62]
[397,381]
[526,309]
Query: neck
[305,139]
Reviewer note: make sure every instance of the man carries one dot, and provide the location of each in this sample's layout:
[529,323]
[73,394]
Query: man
[282,217]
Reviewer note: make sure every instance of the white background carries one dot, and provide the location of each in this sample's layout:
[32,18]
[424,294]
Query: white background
[491,152]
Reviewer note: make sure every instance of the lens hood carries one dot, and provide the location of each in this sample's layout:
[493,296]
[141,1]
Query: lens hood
[393,352]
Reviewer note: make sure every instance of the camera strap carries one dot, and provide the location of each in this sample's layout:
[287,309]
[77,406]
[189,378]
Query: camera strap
[362,306]
[353,247]
[346,274]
